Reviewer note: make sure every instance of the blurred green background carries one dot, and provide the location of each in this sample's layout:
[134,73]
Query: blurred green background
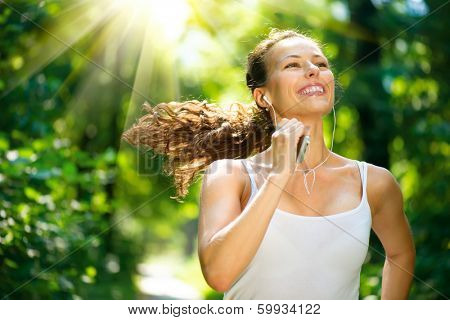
[84,216]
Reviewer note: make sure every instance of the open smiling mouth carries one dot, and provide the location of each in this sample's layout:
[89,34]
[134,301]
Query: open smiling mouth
[312,91]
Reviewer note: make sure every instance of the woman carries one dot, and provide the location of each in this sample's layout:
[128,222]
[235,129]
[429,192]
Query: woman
[269,227]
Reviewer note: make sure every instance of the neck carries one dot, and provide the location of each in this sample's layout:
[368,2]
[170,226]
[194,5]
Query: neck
[317,150]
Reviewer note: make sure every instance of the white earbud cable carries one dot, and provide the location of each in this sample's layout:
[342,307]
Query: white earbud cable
[313,170]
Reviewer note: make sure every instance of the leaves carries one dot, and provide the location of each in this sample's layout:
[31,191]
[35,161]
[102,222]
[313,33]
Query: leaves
[64,184]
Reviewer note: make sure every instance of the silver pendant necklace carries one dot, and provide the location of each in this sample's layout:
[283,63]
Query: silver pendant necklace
[306,172]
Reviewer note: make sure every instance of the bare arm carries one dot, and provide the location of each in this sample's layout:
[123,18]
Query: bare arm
[392,228]
[229,238]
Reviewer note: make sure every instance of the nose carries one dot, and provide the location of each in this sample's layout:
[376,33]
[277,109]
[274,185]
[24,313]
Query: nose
[312,71]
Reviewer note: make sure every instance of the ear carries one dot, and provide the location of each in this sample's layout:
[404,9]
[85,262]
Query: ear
[258,94]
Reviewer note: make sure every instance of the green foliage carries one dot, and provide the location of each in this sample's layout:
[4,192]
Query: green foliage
[78,212]
[56,233]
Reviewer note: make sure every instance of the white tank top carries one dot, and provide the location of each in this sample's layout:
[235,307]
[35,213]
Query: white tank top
[308,257]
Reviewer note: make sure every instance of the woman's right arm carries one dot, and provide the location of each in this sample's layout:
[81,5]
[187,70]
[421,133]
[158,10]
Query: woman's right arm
[228,238]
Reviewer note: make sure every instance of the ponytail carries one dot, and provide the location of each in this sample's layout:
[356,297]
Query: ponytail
[193,134]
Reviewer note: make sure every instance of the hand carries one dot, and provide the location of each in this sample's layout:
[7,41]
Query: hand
[284,147]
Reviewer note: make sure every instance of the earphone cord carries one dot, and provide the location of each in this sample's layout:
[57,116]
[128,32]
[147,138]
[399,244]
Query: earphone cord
[313,170]
[332,139]
[308,171]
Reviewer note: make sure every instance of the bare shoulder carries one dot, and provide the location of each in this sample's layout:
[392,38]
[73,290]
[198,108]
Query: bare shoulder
[222,180]
[383,190]
[382,187]
[224,172]
[220,195]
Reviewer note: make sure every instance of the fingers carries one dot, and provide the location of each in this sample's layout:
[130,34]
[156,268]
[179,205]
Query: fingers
[282,123]
[300,129]
[290,124]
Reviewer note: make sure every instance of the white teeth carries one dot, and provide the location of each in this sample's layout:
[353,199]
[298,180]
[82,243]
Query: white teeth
[312,89]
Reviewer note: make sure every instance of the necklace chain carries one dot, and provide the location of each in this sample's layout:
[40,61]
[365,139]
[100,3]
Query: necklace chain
[313,170]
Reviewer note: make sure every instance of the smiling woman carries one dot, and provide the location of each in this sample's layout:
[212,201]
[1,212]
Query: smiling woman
[263,234]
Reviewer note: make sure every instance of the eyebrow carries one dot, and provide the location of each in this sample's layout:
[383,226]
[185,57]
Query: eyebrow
[297,56]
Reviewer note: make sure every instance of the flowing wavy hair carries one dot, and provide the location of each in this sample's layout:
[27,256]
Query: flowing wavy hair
[193,134]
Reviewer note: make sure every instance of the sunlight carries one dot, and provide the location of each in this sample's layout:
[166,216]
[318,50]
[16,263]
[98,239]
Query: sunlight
[162,24]
[58,36]
[168,16]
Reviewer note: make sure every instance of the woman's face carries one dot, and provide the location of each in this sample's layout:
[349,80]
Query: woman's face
[299,79]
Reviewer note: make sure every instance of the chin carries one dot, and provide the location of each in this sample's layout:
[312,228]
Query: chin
[322,107]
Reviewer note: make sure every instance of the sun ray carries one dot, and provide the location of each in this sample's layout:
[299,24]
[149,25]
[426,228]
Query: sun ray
[104,50]
[212,26]
[68,8]
[58,38]
[142,78]
[112,32]
[157,44]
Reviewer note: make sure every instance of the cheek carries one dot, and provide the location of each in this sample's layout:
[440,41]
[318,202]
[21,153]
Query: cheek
[281,82]
[288,81]
[328,77]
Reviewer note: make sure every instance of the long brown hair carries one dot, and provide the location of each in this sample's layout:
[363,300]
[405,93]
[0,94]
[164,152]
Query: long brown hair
[193,134]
